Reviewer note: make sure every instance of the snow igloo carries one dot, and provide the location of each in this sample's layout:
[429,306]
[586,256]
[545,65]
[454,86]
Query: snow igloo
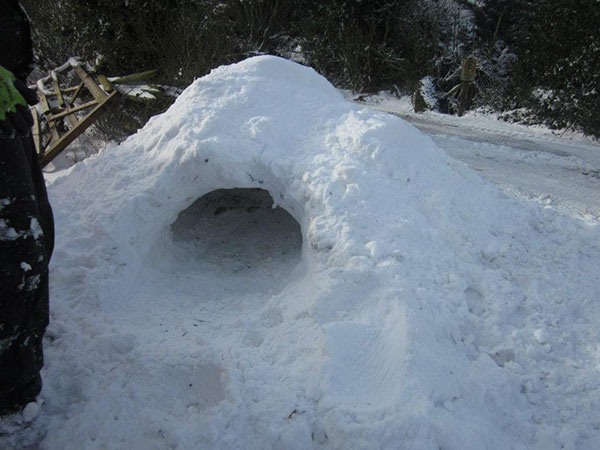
[266,265]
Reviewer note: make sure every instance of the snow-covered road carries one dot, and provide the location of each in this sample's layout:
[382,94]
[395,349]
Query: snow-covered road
[567,183]
[561,172]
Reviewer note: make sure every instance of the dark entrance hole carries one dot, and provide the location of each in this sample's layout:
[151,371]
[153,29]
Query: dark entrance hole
[238,231]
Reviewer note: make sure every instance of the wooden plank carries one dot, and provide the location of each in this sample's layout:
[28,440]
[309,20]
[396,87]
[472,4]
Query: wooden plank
[77,90]
[67,138]
[59,96]
[69,110]
[44,103]
[68,90]
[134,77]
[453,91]
[90,84]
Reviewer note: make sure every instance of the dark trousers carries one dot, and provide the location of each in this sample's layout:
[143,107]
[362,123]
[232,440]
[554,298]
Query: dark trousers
[26,243]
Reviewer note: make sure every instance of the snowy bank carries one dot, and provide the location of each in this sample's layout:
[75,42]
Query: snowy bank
[403,303]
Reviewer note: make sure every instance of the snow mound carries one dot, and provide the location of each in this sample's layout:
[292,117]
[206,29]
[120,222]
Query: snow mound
[407,304]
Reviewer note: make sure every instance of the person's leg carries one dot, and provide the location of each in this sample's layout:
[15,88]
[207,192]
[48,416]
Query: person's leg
[23,280]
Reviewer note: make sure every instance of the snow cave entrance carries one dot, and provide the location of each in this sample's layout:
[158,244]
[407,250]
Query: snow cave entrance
[237,233]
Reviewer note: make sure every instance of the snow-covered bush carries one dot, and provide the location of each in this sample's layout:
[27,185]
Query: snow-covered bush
[426,97]
[559,55]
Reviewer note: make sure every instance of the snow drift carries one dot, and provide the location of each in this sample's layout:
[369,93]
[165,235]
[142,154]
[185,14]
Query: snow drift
[405,303]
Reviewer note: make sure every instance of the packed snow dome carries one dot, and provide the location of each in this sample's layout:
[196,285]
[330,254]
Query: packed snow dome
[267,266]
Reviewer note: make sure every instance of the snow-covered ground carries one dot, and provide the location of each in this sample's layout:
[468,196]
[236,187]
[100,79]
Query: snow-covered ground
[394,299]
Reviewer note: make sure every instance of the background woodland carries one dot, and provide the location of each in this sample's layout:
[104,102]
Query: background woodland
[539,61]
